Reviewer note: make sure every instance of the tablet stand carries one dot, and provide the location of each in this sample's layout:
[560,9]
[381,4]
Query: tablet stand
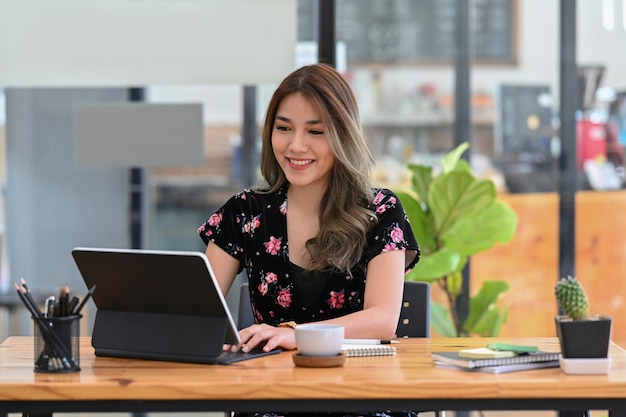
[170,337]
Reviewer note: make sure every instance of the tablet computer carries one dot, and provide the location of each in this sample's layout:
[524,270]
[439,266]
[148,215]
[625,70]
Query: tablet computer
[163,305]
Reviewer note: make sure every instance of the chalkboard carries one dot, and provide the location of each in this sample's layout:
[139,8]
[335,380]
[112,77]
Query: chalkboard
[417,30]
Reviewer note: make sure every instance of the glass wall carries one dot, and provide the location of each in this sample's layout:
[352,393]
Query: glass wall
[182,198]
[397,55]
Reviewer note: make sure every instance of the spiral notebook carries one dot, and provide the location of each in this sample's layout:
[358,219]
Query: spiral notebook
[355,350]
[453,358]
[500,369]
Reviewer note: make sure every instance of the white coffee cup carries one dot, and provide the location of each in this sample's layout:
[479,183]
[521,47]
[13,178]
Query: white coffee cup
[319,339]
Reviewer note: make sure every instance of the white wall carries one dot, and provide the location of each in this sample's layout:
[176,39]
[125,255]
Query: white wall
[69,43]
[599,46]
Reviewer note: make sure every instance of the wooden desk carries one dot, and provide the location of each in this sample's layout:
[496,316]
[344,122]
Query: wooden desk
[405,381]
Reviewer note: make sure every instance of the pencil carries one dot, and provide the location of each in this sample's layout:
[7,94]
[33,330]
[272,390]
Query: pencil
[27,294]
[84,300]
[65,300]
[72,305]
[28,301]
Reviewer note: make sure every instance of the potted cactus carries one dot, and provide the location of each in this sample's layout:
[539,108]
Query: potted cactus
[580,334]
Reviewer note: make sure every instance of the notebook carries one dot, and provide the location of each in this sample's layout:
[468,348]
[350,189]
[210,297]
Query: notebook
[500,369]
[355,350]
[453,358]
[160,305]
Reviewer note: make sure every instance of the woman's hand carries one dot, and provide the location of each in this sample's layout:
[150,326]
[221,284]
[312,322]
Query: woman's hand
[266,336]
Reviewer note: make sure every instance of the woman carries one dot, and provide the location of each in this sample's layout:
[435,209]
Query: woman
[319,243]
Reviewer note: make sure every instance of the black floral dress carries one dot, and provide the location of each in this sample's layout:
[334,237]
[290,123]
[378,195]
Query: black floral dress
[252,227]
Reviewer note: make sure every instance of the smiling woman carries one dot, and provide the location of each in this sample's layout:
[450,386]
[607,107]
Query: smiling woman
[319,243]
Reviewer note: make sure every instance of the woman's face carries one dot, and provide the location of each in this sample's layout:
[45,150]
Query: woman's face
[300,144]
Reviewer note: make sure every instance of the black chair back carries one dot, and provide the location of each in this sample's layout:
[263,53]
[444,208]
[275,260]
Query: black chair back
[414,316]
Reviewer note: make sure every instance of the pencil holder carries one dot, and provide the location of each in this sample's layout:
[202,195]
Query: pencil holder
[57,343]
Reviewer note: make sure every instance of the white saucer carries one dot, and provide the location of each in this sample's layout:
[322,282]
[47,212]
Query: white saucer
[585,365]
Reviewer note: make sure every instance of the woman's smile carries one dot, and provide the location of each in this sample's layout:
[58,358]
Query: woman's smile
[300,163]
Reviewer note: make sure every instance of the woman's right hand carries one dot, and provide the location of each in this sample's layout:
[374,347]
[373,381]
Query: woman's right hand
[266,337]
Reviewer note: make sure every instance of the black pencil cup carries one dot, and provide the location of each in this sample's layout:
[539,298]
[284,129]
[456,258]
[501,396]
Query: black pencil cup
[57,344]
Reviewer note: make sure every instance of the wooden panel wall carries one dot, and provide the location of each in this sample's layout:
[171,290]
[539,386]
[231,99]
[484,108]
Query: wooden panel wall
[530,262]
[601,254]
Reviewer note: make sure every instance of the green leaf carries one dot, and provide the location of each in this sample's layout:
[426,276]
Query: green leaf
[455,283]
[420,180]
[436,265]
[420,221]
[456,197]
[480,232]
[491,323]
[449,161]
[483,302]
[462,166]
[441,321]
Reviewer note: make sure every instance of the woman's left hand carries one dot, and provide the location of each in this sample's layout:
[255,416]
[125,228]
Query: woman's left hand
[266,336]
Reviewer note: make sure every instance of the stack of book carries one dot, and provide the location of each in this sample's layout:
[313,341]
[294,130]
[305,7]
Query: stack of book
[497,359]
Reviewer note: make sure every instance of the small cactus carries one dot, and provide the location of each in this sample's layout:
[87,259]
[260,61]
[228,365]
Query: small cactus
[572,298]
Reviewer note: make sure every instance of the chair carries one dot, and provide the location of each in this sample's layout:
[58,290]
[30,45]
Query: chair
[415,313]
[414,318]
[245,316]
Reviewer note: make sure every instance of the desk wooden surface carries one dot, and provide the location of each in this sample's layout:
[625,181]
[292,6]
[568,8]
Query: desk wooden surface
[409,374]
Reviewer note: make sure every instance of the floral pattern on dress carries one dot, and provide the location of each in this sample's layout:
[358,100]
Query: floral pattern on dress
[252,227]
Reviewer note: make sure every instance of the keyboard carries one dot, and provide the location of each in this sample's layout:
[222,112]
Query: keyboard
[228,357]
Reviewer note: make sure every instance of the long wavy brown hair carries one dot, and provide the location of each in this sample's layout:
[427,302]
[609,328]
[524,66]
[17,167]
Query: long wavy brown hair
[344,216]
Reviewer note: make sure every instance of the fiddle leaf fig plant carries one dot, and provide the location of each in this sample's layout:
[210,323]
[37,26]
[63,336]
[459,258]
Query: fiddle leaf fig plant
[455,215]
